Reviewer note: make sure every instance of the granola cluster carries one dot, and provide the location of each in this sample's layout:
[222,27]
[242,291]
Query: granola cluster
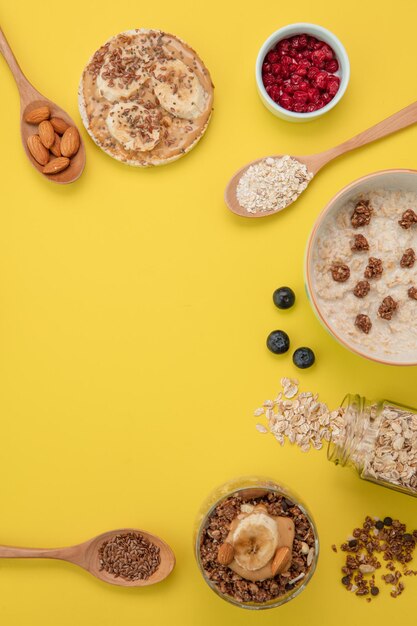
[408,218]
[378,541]
[362,214]
[387,308]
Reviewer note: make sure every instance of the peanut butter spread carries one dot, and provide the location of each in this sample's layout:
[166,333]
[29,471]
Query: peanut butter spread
[145,97]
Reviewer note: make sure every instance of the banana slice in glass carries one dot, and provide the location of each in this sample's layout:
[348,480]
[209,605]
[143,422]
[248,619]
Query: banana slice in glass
[134,126]
[178,89]
[255,541]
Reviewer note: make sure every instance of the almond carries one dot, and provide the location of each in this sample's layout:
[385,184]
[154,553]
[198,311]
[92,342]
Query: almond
[46,133]
[36,116]
[56,165]
[281,560]
[37,149]
[56,146]
[59,125]
[70,142]
[225,554]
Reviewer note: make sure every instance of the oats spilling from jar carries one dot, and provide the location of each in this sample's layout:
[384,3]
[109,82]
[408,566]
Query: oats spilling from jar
[300,418]
[378,541]
[272,184]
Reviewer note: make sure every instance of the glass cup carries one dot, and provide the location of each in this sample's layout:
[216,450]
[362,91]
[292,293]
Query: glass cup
[253,487]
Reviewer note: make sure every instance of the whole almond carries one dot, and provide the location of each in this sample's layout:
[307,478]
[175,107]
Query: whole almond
[70,142]
[225,554]
[56,165]
[36,116]
[56,146]
[37,149]
[46,133]
[59,125]
[281,560]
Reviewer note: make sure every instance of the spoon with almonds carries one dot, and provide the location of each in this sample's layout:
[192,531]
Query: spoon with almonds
[49,136]
[313,163]
[117,557]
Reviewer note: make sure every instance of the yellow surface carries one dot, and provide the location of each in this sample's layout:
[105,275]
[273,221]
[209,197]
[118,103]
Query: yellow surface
[134,310]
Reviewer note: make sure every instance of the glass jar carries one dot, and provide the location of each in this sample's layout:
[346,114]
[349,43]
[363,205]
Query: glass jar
[255,489]
[379,441]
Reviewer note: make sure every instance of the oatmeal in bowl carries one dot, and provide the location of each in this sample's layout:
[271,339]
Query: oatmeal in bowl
[145,97]
[361,268]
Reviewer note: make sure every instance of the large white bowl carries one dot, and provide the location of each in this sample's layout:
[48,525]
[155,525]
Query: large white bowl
[398,179]
[320,33]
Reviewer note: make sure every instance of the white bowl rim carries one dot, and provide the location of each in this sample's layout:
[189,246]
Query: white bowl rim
[308,273]
[288,31]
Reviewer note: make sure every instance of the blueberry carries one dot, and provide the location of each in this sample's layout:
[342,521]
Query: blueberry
[303,358]
[278,342]
[283,298]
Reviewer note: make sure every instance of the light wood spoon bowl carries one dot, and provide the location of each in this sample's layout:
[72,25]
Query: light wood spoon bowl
[86,555]
[315,162]
[30,99]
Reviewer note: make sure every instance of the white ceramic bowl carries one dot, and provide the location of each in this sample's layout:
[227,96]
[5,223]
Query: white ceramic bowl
[402,180]
[320,33]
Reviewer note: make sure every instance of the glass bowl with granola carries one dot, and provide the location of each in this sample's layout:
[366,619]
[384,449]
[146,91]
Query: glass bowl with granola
[256,544]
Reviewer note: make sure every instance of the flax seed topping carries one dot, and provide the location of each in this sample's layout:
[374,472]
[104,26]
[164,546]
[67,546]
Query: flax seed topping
[145,97]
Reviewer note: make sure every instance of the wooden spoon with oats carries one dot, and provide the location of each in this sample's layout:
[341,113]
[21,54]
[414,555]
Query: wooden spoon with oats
[34,109]
[117,557]
[259,193]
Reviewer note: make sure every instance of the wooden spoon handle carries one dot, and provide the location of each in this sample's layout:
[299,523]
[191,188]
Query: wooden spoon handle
[391,124]
[27,91]
[11,552]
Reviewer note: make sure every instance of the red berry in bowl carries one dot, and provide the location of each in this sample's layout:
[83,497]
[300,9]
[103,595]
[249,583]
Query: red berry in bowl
[303,67]
[268,79]
[286,101]
[331,66]
[272,57]
[320,80]
[266,68]
[313,94]
[275,93]
[318,58]
[299,107]
[302,42]
[327,51]
[303,86]
[333,85]
[276,69]
[301,97]
[312,72]
[284,46]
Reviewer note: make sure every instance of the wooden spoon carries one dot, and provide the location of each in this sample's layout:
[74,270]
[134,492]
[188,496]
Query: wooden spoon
[315,162]
[86,555]
[31,99]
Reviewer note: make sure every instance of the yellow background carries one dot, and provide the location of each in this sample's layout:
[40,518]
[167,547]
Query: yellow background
[134,310]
